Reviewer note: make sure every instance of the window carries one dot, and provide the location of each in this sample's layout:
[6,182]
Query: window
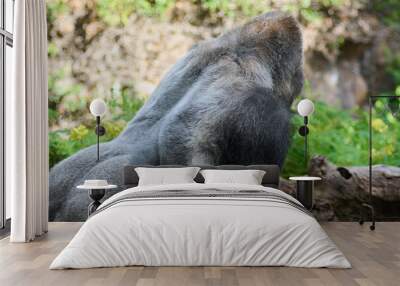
[6,44]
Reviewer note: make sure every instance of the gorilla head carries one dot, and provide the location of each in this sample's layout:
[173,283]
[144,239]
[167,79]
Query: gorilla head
[226,102]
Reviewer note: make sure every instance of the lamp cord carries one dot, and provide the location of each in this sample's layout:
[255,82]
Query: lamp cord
[98,137]
[306,144]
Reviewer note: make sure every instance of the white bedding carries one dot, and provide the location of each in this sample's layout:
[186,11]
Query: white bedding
[200,231]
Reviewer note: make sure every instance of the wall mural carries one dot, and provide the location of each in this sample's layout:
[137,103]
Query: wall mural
[229,97]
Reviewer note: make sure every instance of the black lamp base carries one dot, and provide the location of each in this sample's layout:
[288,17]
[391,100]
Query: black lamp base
[100,130]
[303,130]
[369,207]
[96,195]
[304,193]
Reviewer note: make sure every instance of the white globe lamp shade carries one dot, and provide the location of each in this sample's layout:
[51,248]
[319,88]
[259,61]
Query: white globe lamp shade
[98,107]
[305,107]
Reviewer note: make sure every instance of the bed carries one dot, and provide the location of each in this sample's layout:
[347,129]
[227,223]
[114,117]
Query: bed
[198,224]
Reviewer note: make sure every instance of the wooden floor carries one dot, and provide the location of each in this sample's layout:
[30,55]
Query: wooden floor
[375,257]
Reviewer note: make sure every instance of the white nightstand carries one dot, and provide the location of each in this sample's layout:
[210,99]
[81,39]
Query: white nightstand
[305,189]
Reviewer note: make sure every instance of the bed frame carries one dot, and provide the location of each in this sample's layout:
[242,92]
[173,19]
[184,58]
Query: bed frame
[271,177]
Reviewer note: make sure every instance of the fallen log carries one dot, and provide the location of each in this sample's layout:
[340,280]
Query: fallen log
[342,190]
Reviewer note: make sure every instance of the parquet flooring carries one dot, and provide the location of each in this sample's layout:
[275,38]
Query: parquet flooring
[375,257]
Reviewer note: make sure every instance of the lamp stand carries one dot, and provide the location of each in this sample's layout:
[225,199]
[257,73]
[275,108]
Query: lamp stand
[100,131]
[306,143]
[303,131]
[369,206]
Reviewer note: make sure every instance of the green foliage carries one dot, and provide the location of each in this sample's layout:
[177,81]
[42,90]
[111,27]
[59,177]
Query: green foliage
[55,8]
[79,133]
[393,66]
[58,91]
[59,147]
[64,143]
[308,11]
[312,11]
[52,50]
[117,12]
[342,137]
[233,8]
[114,128]
[123,103]
[389,10]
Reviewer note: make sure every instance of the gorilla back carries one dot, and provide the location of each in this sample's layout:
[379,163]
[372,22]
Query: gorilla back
[226,102]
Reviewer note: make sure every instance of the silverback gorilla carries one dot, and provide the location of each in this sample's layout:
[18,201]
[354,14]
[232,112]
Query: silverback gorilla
[226,102]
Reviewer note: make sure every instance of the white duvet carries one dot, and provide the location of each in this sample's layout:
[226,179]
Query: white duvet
[200,231]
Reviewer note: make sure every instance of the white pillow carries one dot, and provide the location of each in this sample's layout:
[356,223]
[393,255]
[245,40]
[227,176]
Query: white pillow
[248,177]
[163,176]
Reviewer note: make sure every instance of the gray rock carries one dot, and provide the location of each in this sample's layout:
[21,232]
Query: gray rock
[226,102]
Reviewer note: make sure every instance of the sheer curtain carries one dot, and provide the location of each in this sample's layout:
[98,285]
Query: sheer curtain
[27,150]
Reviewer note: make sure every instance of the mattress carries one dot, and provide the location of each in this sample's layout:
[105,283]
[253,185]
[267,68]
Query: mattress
[201,225]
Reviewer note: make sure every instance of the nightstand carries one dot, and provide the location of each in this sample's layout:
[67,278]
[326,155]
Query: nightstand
[305,189]
[96,193]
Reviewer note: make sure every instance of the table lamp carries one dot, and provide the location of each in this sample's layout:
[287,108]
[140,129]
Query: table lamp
[305,108]
[98,108]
